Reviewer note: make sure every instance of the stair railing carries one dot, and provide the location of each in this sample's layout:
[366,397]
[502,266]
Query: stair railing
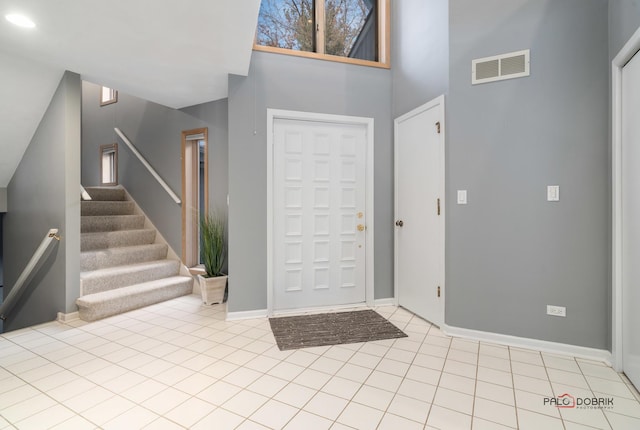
[146,164]
[27,273]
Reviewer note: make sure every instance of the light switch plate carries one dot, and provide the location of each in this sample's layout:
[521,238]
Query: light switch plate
[553,193]
[462,197]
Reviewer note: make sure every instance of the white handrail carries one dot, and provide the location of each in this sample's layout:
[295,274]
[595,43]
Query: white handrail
[17,289]
[148,166]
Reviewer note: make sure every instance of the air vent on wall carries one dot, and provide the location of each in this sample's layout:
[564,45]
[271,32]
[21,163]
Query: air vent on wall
[500,67]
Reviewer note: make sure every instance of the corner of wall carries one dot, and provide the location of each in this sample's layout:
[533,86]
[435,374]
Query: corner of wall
[72,151]
[49,174]
[3,200]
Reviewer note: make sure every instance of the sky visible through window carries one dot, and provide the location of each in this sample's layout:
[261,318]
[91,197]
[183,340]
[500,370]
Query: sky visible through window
[291,24]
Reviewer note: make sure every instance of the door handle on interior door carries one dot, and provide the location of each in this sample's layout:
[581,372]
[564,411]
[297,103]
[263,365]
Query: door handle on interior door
[399,223]
[360,227]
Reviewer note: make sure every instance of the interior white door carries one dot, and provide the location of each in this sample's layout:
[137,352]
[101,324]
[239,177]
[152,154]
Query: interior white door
[631,220]
[319,200]
[419,190]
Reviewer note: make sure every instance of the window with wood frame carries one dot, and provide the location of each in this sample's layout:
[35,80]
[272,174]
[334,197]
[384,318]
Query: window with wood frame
[349,31]
[109,164]
[108,96]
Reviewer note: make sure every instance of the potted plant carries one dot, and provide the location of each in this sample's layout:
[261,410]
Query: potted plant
[214,282]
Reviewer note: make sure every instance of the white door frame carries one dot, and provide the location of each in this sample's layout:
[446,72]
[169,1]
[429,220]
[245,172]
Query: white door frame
[618,63]
[275,114]
[429,105]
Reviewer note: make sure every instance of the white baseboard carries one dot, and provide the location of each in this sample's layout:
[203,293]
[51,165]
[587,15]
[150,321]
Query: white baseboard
[523,342]
[73,316]
[246,315]
[384,302]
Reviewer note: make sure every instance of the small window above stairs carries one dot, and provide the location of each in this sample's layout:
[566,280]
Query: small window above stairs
[122,266]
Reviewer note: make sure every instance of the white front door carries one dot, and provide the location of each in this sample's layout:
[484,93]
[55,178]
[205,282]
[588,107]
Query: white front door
[631,220]
[319,220]
[419,194]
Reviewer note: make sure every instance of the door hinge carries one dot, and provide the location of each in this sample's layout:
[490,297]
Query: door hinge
[438,206]
[438,290]
[438,127]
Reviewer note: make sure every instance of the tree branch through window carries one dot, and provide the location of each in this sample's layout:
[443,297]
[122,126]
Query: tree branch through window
[349,27]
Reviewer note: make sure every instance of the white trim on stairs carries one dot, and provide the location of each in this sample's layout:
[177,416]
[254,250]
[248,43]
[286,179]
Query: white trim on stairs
[171,253]
[65,318]
[84,194]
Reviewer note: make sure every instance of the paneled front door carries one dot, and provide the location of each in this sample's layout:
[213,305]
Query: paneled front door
[319,219]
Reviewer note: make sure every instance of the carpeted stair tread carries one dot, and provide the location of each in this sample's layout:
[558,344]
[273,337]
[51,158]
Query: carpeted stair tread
[122,269]
[101,223]
[105,193]
[103,258]
[114,239]
[96,207]
[101,305]
[97,281]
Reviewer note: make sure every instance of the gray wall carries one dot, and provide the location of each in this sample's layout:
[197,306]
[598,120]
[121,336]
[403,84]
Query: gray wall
[1,258]
[509,252]
[3,208]
[624,19]
[3,200]
[156,132]
[43,194]
[420,52]
[286,82]
[215,115]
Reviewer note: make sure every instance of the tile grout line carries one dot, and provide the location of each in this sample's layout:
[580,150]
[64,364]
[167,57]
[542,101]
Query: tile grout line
[404,377]
[301,408]
[64,341]
[553,390]
[513,382]
[439,378]
[39,390]
[154,321]
[475,388]
[592,392]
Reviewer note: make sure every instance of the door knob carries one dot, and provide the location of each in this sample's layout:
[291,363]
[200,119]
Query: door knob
[360,227]
[399,223]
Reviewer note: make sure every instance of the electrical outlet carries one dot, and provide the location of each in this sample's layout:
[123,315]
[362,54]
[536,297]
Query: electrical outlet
[556,311]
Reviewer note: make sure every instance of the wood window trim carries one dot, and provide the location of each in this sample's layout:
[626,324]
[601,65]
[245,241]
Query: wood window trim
[384,44]
[103,149]
[205,132]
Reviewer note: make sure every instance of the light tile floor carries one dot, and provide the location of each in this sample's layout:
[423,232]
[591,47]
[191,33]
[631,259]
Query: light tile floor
[180,365]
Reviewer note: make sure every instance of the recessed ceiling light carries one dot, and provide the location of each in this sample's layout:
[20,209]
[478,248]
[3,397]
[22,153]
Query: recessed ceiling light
[20,20]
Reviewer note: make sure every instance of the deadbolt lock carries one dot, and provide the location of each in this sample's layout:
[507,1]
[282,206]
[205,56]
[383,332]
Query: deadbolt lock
[360,214]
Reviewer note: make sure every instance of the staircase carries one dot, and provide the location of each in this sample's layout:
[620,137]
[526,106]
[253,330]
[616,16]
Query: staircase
[122,266]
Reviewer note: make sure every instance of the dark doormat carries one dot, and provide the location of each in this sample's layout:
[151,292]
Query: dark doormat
[332,329]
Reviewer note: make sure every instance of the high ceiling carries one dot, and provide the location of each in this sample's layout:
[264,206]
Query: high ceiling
[176,53]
